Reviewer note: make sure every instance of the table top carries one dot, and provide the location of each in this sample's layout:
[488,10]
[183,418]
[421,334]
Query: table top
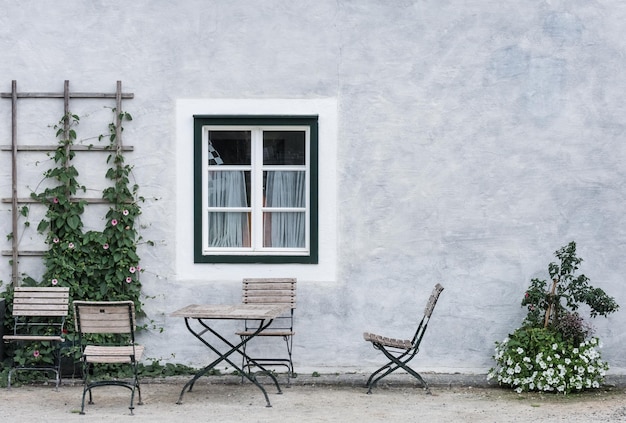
[233,311]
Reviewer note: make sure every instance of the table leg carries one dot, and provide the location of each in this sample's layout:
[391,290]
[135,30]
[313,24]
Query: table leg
[224,357]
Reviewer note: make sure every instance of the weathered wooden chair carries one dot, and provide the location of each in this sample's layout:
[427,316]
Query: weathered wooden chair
[281,291]
[39,315]
[113,324]
[400,352]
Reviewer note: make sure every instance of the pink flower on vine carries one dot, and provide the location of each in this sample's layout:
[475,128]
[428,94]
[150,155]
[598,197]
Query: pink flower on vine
[125,212]
[70,245]
[129,279]
[132,269]
[114,222]
[55,200]
[36,353]
[105,246]
[54,281]
[56,240]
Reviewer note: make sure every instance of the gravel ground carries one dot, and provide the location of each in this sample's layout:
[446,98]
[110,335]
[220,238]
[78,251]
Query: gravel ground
[325,399]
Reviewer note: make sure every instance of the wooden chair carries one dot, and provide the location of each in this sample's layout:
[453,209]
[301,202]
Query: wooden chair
[39,315]
[113,323]
[279,291]
[400,352]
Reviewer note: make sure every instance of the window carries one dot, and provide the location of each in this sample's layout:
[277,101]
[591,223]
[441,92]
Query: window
[255,192]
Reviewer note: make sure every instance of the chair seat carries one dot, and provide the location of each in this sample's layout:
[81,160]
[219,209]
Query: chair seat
[404,344]
[104,354]
[35,338]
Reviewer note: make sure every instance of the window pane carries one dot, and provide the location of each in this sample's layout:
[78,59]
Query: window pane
[230,147]
[231,229]
[284,189]
[229,189]
[284,230]
[284,148]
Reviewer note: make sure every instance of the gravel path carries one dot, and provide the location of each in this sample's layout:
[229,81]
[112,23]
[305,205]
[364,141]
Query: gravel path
[216,400]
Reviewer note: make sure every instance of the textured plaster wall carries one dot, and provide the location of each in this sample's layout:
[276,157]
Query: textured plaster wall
[474,138]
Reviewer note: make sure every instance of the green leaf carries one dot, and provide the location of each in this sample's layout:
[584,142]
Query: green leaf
[73,222]
[43,225]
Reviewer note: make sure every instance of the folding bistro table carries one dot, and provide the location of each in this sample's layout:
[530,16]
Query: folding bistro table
[199,319]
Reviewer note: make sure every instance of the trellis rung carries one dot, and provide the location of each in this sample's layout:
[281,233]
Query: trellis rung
[125,96]
[72,148]
[28,200]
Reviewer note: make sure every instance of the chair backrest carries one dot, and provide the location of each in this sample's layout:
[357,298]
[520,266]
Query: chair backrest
[270,291]
[44,302]
[432,301]
[428,311]
[36,310]
[104,317]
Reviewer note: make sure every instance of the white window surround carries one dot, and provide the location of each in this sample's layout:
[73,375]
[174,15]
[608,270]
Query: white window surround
[326,109]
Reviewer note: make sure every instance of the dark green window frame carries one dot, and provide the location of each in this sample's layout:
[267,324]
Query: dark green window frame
[226,120]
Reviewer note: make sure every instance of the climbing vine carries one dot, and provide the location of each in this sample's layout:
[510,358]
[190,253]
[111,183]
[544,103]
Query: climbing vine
[95,265]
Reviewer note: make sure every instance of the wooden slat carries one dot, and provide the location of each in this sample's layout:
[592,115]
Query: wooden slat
[14,210]
[34,338]
[88,200]
[23,253]
[125,96]
[74,147]
[269,286]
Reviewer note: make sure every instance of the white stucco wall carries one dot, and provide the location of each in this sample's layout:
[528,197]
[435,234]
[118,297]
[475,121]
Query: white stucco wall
[472,140]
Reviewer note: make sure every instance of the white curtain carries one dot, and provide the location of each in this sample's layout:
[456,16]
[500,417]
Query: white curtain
[285,229]
[228,229]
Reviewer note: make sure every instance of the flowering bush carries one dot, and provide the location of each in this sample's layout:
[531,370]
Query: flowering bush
[554,349]
[540,360]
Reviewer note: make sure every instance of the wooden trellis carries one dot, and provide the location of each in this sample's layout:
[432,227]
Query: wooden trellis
[16,148]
